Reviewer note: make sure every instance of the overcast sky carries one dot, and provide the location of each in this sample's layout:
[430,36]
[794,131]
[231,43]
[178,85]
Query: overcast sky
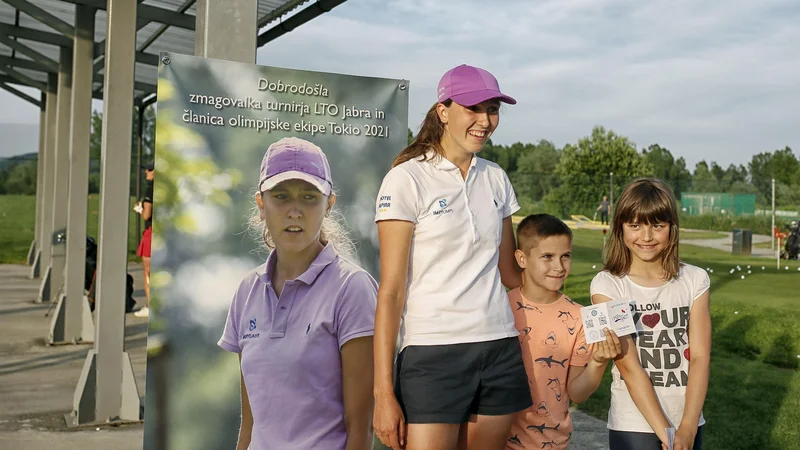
[713,80]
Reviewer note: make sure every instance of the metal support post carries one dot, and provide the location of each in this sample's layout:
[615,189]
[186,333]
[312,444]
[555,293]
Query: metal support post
[226,30]
[107,391]
[48,172]
[72,323]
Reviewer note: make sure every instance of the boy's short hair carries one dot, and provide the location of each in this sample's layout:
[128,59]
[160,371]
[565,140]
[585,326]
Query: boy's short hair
[536,227]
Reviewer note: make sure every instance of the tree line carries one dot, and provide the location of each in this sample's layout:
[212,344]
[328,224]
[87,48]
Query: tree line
[18,174]
[565,181]
[573,179]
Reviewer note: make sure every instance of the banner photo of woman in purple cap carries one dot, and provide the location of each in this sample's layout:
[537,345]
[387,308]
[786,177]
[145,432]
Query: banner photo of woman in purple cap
[447,252]
[302,322]
[265,255]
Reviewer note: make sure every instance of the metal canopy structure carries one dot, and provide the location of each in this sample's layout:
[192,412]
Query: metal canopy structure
[76,50]
[33,31]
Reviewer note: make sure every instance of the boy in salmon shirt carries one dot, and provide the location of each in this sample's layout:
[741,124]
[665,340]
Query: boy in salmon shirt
[561,366]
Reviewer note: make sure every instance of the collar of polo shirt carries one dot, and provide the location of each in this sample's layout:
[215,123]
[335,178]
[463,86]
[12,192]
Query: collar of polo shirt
[325,257]
[443,163]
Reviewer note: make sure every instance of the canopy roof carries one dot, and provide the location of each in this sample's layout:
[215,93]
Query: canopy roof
[33,31]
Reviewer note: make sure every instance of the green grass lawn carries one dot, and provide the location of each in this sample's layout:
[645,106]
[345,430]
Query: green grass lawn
[17,218]
[702,235]
[769,244]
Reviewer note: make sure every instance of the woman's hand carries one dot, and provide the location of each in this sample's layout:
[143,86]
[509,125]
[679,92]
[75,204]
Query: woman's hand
[388,422]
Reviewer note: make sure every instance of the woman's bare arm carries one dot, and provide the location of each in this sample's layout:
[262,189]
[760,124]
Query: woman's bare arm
[357,382]
[510,273]
[395,248]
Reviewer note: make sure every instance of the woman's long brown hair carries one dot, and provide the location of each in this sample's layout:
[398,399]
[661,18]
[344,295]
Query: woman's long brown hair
[647,201]
[429,137]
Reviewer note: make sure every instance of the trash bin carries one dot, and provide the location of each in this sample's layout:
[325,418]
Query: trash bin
[742,242]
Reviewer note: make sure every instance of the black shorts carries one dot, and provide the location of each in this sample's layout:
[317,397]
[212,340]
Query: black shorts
[629,440]
[449,383]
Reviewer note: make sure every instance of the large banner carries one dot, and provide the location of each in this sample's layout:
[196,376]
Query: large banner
[215,121]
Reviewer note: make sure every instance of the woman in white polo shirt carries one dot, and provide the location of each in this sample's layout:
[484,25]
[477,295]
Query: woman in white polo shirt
[446,253]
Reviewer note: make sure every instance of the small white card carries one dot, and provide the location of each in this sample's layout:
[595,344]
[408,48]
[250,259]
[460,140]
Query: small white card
[670,438]
[615,315]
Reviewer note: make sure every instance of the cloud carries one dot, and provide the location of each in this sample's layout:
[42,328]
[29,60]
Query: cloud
[708,80]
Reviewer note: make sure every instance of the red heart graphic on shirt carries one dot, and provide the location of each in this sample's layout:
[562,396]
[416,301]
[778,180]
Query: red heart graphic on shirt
[686,354]
[651,320]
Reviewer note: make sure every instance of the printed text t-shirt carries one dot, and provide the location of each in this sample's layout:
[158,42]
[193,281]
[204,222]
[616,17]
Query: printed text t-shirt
[661,315]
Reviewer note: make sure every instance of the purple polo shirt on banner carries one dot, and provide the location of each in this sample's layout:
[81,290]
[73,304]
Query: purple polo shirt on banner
[290,347]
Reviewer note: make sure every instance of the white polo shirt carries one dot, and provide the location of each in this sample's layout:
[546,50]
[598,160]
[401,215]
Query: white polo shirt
[454,289]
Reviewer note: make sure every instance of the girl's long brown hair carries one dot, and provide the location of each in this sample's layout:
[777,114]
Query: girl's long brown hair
[647,201]
[429,137]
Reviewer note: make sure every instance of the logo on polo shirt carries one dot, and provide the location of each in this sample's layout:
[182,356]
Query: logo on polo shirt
[251,335]
[384,203]
[442,205]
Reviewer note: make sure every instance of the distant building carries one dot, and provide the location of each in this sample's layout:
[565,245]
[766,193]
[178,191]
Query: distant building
[698,203]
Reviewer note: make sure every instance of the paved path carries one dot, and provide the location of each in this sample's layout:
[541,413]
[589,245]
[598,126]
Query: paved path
[37,382]
[726,244]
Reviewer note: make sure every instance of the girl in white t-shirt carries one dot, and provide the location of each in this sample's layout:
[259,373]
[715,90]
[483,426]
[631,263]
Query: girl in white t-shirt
[447,251]
[657,382]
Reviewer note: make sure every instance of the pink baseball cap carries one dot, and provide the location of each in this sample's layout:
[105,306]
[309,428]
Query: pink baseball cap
[295,159]
[468,86]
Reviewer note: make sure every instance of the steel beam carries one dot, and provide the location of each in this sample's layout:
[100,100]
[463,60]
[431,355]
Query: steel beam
[317,9]
[23,64]
[23,79]
[150,13]
[31,34]
[21,95]
[52,66]
[43,16]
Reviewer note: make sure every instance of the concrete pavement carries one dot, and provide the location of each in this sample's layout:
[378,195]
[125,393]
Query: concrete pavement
[37,382]
[726,244]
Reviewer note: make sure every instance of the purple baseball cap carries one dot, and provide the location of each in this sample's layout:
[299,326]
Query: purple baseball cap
[295,159]
[468,86]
